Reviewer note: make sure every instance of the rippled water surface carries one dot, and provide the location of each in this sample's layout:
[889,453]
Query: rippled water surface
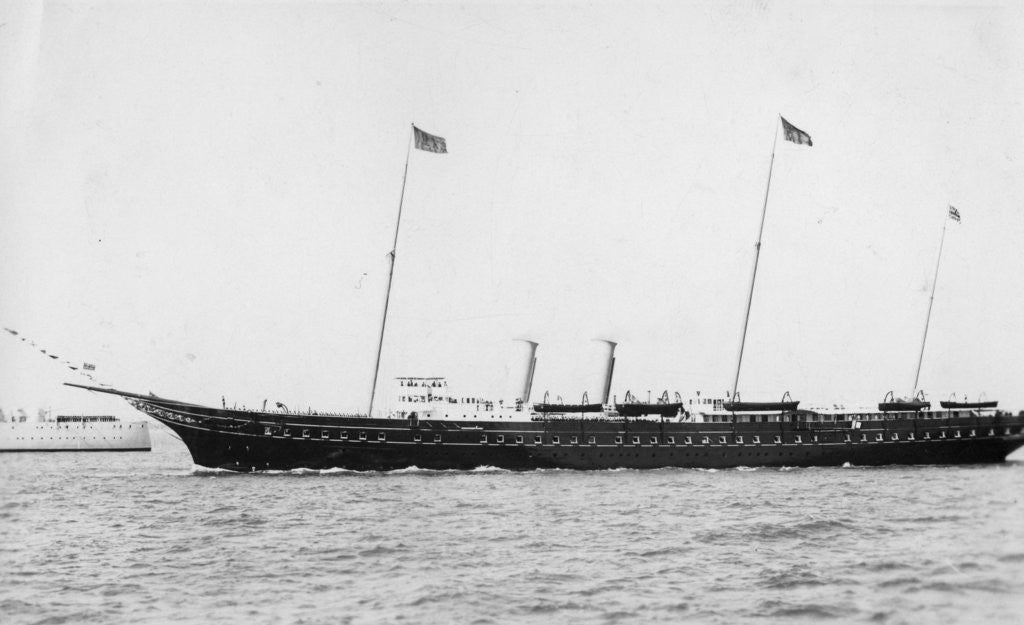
[147,538]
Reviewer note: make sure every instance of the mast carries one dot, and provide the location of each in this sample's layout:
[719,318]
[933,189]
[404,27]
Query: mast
[757,255]
[391,273]
[931,300]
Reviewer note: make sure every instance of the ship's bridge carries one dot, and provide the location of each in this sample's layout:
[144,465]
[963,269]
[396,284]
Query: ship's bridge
[431,398]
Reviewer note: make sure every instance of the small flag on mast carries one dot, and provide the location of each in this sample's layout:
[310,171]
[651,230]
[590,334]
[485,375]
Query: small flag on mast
[954,214]
[794,134]
[429,143]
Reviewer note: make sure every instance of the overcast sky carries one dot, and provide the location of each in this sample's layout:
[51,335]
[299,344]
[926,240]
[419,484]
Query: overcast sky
[199,198]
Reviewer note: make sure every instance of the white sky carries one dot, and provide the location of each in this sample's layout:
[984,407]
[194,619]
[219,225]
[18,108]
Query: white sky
[200,198]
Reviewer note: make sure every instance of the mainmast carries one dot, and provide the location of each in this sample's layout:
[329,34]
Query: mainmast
[953,214]
[753,274]
[794,134]
[428,143]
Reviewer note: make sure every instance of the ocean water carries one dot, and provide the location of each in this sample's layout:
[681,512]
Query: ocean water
[148,538]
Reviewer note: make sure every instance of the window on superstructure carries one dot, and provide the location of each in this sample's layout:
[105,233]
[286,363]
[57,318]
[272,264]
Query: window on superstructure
[705,440]
[654,440]
[636,440]
[846,438]
[910,436]
[895,436]
[554,440]
[344,436]
[671,440]
[798,439]
[591,440]
[325,434]
[956,434]
[739,440]
[757,440]
[863,438]
[362,436]
[878,437]
[778,439]
[501,438]
[416,438]
[437,438]
[973,433]
[381,436]
[519,440]
[305,433]
[618,440]
[574,440]
[537,440]
[267,431]
[483,438]
[721,440]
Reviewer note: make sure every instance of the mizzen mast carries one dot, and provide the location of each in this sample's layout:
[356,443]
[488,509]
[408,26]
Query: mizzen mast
[954,214]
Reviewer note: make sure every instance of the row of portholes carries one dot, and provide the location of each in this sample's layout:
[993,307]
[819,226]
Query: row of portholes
[635,440]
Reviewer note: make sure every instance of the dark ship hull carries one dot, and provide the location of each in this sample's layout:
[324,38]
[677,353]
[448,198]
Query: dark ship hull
[252,441]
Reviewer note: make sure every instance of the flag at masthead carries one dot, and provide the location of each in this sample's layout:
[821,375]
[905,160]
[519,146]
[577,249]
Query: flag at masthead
[429,143]
[794,134]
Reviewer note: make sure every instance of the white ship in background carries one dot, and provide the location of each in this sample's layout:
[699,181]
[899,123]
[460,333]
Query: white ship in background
[72,433]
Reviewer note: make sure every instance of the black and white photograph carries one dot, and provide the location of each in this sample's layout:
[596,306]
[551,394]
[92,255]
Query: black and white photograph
[489,312]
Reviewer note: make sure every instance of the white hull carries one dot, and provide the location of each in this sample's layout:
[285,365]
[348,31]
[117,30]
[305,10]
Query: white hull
[89,436]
